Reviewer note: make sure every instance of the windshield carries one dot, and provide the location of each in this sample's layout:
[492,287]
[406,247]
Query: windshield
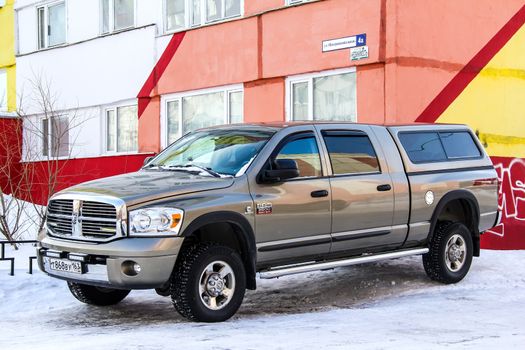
[216,152]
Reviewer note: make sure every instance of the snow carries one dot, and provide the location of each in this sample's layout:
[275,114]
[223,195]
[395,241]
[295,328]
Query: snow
[384,305]
[29,217]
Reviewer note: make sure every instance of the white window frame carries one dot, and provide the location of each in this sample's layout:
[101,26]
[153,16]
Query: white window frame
[111,19]
[105,111]
[50,146]
[294,2]
[188,15]
[3,96]
[309,78]
[46,24]
[228,90]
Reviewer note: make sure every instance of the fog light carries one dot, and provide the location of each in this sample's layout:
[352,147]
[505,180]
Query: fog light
[136,267]
[130,268]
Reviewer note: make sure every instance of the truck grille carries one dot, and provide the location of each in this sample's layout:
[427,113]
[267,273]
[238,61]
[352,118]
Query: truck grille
[77,219]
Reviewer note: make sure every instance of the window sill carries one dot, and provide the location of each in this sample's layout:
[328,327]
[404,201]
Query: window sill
[100,36]
[207,24]
[105,155]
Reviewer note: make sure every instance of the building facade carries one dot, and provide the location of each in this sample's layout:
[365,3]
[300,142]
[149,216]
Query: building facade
[128,77]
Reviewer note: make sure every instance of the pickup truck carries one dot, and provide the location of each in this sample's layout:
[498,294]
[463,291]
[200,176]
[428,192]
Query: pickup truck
[222,205]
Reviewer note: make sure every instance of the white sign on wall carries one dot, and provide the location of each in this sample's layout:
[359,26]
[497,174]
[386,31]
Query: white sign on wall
[358,53]
[344,43]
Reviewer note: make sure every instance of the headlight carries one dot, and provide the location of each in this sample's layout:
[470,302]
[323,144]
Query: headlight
[155,221]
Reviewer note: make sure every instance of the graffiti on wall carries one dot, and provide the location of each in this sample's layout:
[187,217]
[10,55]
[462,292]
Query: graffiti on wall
[511,177]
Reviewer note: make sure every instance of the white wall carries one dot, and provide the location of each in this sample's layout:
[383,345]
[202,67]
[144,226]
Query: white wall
[83,20]
[96,72]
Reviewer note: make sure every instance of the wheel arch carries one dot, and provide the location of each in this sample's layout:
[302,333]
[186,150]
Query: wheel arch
[243,232]
[470,207]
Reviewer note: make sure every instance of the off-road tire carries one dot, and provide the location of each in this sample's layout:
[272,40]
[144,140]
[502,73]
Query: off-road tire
[185,282]
[435,262]
[97,295]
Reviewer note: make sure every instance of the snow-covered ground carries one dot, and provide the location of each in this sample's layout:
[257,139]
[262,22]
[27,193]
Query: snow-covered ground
[389,305]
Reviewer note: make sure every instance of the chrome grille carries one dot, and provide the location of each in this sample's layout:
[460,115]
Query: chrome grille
[79,219]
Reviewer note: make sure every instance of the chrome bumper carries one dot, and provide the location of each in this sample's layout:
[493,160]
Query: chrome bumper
[105,264]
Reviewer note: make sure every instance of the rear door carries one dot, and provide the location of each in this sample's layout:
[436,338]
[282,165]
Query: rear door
[362,190]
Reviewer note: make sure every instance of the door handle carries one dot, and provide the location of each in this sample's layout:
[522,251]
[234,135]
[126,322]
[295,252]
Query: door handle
[385,187]
[320,193]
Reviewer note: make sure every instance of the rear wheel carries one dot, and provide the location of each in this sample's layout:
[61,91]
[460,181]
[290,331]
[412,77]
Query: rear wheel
[208,283]
[97,295]
[450,255]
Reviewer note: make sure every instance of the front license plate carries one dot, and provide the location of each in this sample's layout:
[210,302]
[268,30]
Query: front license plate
[65,265]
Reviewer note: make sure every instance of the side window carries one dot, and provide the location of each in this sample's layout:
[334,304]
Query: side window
[423,146]
[305,152]
[350,152]
[459,145]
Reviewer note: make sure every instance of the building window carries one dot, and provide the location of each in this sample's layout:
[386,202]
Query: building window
[322,96]
[187,112]
[55,137]
[51,25]
[3,90]
[117,15]
[122,129]
[181,14]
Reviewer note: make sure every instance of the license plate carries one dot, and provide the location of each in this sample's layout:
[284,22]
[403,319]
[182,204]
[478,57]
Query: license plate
[65,265]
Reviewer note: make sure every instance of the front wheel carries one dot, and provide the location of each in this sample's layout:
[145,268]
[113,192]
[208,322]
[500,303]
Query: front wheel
[208,283]
[97,295]
[450,253]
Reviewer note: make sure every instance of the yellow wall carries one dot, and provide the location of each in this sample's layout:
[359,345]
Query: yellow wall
[493,102]
[7,51]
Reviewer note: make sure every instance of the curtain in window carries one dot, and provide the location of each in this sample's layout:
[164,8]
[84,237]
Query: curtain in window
[124,13]
[127,126]
[59,137]
[334,97]
[57,24]
[236,107]
[213,10]
[175,14]
[196,12]
[300,101]
[202,111]
[232,8]
[173,112]
[105,16]
[111,126]
[45,137]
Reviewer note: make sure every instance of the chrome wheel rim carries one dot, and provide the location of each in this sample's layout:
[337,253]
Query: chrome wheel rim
[455,253]
[217,285]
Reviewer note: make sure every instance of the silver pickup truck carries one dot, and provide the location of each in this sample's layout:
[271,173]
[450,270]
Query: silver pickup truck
[200,220]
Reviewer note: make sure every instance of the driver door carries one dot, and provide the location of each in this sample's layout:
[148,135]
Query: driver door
[292,217]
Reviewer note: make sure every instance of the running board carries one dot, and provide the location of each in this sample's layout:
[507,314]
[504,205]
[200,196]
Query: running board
[292,270]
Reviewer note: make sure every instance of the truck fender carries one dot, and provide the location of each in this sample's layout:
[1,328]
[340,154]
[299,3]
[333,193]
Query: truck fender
[244,233]
[473,226]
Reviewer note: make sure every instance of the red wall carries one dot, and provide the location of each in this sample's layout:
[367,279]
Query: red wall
[75,171]
[10,151]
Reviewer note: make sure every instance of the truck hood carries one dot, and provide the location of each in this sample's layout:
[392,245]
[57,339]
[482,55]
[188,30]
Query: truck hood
[146,185]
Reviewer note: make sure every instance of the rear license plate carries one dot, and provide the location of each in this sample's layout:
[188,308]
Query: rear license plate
[65,265]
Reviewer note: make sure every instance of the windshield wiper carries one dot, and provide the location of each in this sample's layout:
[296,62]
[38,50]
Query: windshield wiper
[184,168]
[208,170]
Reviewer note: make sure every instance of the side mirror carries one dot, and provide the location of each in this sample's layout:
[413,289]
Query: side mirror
[284,169]
[147,160]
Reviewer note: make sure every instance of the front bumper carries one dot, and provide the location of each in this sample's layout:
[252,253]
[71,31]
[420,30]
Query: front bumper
[104,264]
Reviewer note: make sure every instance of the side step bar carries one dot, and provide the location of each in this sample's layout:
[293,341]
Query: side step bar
[292,270]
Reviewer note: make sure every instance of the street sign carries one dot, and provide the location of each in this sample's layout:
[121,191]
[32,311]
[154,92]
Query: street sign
[344,43]
[358,53]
